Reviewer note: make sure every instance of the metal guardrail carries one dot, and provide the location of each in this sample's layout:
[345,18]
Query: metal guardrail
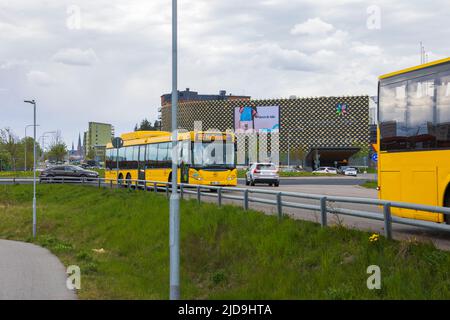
[322,206]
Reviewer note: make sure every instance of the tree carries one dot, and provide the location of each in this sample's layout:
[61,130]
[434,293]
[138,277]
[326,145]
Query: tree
[58,151]
[145,125]
[91,154]
[9,142]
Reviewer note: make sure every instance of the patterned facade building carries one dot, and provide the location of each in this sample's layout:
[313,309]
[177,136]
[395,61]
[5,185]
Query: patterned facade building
[314,130]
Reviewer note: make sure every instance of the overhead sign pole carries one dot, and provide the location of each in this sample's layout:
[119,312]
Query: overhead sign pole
[174,198]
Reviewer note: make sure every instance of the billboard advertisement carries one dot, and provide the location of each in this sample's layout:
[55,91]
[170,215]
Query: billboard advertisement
[257,118]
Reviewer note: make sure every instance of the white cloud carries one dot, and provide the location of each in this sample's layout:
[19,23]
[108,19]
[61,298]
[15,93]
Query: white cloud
[366,49]
[76,57]
[313,26]
[39,78]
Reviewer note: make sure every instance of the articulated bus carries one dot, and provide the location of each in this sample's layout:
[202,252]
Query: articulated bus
[414,138]
[147,155]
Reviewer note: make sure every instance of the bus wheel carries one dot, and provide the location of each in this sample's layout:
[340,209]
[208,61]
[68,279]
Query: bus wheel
[128,180]
[120,182]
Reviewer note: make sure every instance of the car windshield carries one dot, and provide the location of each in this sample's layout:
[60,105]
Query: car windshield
[213,154]
[77,168]
[265,166]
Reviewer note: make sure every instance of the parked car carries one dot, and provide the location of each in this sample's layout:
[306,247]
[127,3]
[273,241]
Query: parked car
[325,170]
[70,172]
[350,172]
[262,173]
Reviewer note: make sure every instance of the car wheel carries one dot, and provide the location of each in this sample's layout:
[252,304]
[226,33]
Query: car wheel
[270,184]
[246,181]
[252,183]
[277,184]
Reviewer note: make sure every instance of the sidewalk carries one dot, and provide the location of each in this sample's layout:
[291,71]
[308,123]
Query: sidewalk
[30,272]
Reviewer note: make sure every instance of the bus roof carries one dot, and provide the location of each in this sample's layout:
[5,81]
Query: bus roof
[419,67]
[144,137]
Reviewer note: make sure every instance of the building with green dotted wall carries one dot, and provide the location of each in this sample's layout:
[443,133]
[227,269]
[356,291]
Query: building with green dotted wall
[325,131]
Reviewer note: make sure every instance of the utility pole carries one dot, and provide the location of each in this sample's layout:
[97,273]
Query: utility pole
[174,198]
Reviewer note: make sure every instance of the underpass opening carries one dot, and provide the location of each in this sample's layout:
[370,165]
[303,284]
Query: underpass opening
[330,157]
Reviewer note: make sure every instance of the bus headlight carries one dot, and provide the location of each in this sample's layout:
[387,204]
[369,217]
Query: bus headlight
[196,176]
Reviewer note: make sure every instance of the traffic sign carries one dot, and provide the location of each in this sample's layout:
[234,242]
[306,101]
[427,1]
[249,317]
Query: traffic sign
[375,157]
[117,142]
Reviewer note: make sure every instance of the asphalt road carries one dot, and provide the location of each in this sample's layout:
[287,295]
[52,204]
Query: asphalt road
[29,272]
[338,180]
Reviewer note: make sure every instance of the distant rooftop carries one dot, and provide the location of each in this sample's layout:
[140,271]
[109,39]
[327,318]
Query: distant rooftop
[188,95]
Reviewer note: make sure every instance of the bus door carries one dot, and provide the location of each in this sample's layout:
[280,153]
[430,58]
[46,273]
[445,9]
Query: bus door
[141,164]
[184,156]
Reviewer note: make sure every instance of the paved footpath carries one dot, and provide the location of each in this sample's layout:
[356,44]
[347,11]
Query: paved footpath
[30,272]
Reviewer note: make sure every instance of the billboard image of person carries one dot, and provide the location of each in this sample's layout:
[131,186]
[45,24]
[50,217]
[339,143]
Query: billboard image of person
[261,119]
[246,117]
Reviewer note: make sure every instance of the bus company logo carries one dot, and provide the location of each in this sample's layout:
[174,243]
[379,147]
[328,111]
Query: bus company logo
[341,109]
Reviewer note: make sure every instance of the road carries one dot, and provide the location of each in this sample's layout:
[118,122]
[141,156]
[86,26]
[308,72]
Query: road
[29,272]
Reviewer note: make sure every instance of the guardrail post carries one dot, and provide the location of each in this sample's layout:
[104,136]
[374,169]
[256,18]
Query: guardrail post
[167,191]
[155,187]
[387,221]
[110,184]
[219,196]
[99,183]
[246,199]
[198,194]
[323,211]
[279,206]
[181,191]
[62,180]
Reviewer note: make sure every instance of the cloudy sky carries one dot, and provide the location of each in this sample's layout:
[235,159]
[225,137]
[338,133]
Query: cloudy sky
[110,60]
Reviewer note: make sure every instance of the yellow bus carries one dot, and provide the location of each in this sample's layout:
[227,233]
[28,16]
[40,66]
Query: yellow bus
[147,155]
[414,138]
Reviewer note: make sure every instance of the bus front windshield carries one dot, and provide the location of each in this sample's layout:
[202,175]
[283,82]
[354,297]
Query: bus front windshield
[215,154]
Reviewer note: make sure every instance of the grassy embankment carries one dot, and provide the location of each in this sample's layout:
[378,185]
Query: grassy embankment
[226,253]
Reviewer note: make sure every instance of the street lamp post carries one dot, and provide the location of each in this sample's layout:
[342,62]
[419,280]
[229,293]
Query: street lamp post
[43,140]
[174,240]
[34,165]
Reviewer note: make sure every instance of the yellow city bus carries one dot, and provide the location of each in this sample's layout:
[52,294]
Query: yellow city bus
[414,138]
[147,155]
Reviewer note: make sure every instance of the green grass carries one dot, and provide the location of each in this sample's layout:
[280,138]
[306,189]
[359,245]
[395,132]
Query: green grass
[16,174]
[372,184]
[226,253]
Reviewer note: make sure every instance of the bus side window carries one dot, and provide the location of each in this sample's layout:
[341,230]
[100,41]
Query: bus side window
[152,152]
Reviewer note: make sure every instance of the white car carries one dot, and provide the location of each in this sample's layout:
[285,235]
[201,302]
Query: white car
[262,173]
[350,172]
[325,170]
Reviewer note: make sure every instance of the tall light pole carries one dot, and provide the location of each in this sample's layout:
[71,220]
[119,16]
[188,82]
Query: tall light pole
[174,198]
[43,140]
[26,143]
[34,165]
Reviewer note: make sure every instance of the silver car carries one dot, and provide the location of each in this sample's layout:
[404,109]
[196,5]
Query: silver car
[262,173]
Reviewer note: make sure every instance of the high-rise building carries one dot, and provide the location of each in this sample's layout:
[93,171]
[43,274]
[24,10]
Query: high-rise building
[96,138]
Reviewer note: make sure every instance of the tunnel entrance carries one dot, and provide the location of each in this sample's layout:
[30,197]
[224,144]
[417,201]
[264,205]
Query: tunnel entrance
[329,157]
